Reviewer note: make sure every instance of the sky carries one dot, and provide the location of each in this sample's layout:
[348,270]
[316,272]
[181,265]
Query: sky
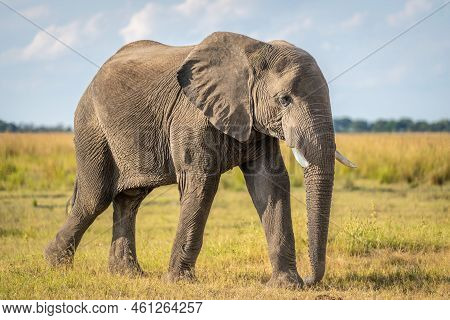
[41,81]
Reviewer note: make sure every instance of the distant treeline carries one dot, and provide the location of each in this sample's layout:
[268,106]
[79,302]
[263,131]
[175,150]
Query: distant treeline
[340,125]
[402,125]
[12,127]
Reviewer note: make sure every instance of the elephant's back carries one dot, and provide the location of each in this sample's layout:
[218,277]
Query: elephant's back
[139,65]
[137,45]
[136,71]
[150,53]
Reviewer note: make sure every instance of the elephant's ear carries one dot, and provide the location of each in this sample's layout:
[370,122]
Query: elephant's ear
[216,77]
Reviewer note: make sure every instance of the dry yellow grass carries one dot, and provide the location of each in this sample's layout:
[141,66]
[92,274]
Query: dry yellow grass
[411,157]
[36,161]
[46,161]
[386,240]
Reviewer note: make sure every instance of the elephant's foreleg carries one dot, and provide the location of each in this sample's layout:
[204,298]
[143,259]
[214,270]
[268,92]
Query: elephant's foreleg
[122,255]
[196,197]
[268,184]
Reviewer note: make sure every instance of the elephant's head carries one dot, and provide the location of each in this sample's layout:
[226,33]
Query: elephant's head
[240,83]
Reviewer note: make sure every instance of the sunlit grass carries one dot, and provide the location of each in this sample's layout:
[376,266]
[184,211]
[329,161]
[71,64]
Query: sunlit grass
[388,240]
[46,161]
[388,158]
[383,244]
[36,161]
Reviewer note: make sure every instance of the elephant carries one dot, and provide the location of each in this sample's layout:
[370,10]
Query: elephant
[156,115]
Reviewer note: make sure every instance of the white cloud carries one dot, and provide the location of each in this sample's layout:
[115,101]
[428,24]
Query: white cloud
[44,46]
[411,9]
[202,16]
[92,25]
[210,17]
[141,24]
[354,21]
[221,9]
[36,12]
[295,27]
[189,7]
[215,10]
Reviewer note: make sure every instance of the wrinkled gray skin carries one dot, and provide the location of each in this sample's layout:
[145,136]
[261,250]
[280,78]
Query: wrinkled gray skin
[156,115]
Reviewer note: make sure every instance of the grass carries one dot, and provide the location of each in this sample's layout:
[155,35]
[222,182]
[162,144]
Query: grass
[413,158]
[387,239]
[34,161]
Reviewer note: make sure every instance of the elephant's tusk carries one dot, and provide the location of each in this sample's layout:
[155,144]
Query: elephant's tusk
[344,160]
[300,158]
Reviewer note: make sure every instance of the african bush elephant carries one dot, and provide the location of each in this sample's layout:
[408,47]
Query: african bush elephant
[156,115]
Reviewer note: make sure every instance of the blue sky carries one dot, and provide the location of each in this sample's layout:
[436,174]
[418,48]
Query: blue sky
[41,81]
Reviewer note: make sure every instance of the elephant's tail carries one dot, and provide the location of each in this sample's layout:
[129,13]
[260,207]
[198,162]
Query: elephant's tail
[71,200]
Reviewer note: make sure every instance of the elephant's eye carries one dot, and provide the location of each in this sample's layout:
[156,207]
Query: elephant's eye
[285,100]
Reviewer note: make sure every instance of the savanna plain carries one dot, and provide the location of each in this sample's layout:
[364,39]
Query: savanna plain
[388,238]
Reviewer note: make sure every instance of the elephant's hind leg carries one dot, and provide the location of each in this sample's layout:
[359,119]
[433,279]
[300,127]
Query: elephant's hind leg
[122,255]
[94,192]
[61,250]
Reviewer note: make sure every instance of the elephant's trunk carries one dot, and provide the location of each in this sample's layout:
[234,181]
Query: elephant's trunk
[319,189]
[319,178]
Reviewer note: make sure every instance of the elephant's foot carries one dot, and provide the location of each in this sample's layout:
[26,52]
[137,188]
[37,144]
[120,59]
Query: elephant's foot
[58,256]
[122,261]
[286,280]
[126,267]
[181,275]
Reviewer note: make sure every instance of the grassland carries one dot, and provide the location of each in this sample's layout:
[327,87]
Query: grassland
[389,236]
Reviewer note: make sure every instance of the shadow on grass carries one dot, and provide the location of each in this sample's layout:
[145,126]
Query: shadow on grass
[12,232]
[327,297]
[372,189]
[405,280]
[48,206]
[9,195]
